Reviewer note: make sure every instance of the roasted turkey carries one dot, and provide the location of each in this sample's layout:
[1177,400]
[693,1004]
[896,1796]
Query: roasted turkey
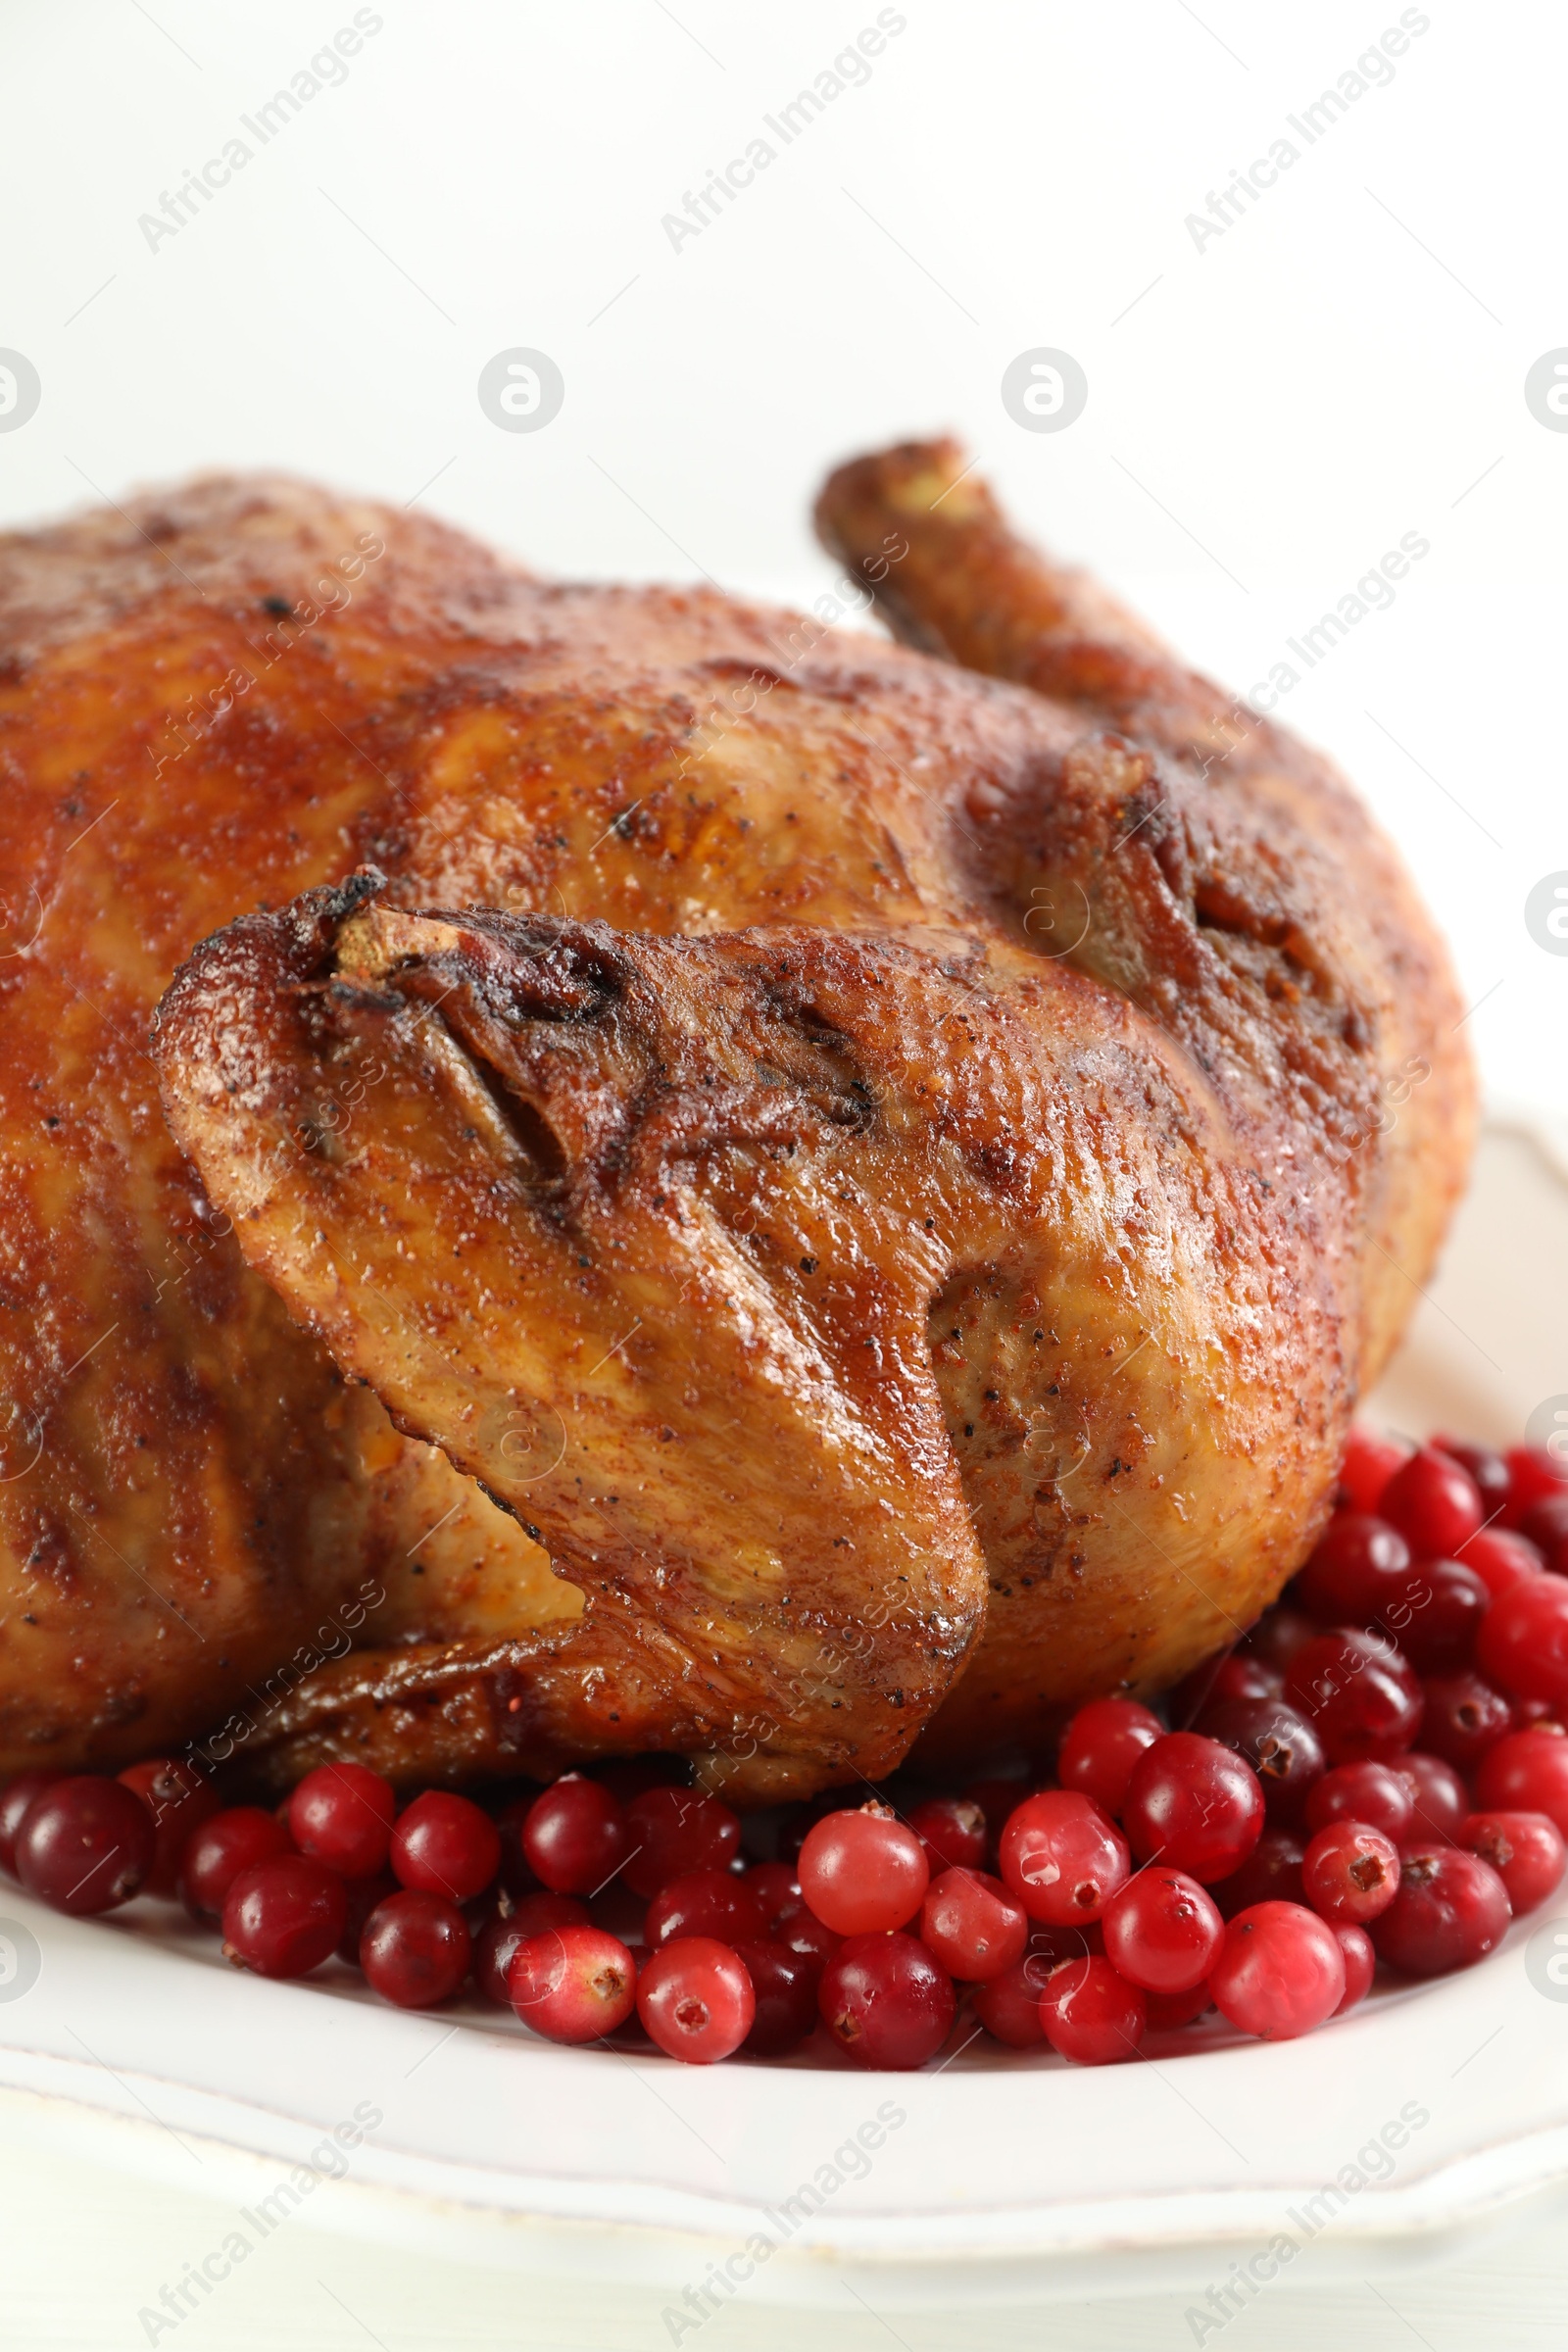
[597,1169]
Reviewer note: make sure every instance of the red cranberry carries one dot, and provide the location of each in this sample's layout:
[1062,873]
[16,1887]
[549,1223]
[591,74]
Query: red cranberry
[1279,1743]
[1009,2005]
[1437,1613]
[1280,1972]
[952,1831]
[864,1871]
[1500,1559]
[343,1815]
[1092,2014]
[444,1845]
[1271,1873]
[1162,1931]
[574,1837]
[1168,2012]
[572,1984]
[1369,1463]
[704,1903]
[1464,1716]
[1522,1643]
[998,1799]
[360,1897]
[86,1844]
[1487,1467]
[1524,1849]
[1434,1502]
[285,1917]
[784,1986]
[1360,1962]
[774,1884]
[180,1799]
[1359,1562]
[499,1938]
[1101,1746]
[885,2000]
[1063,1857]
[1351,1872]
[1367,1792]
[216,1854]
[696,2000]
[971,1924]
[1534,1475]
[19,1795]
[1544,1527]
[414,1949]
[1438,1799]
[1194,1805]
[1527,1773]
[797,1925]
[1360,1695]
[1279,1634]
[676,1830]
[1451,1909]
[1229,1674]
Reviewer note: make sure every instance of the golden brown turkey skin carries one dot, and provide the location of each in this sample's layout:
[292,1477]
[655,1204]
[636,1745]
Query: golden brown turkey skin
[195,1490]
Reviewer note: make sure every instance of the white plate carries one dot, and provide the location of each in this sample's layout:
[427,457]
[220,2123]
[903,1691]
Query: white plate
[1428,2116]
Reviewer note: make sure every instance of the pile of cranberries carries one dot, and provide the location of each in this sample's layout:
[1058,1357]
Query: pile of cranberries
[1377,1774]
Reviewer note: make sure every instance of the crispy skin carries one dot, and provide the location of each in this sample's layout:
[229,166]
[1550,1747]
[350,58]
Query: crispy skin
[1180,1146]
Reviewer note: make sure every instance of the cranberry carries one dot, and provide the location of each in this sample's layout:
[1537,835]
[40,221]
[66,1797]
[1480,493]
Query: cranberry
[1434,1502]
[1162,1931]
[784,1987]
[576,1835]
[676,1830]
[180,1799]
[19,1795]
[1271,1872]
[86,1844]
[1351,1872]
[864,1871]
[1279,1635]
[360,1897]
[1194,1806]
[414,1949]
[1464,1716]
[1438,1799]
[797,1925]
[343,1815]
[231,1841]
[1009,2005]
[704,1903]
[1360,1962]
[572,1984]
[1524,1849]
[444,1845]
[1359,1695]
[1369,1463]
[1168,2012]
[952,1831]
[1500,1559]
[1279,1743]
[1451,1909]
[1063,1857]
[1280,1972]
[1533,1474]
[774,1884]
[1092,2014]
[998,1799]
[972,1924]
[1544,1527]
[1437,1613]
[1359,1562]
[1229,1674]
[285,1917]
[1101,1746]
[1527,1773]
[1487,1466]
[1522,1643]
[1367,1792]
[885,2000]
[501,1932]
[696,2000]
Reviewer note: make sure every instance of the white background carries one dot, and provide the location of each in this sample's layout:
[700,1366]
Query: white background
[1265,417]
